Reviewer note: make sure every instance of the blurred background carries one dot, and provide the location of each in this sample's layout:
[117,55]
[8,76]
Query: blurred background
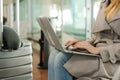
[74,18]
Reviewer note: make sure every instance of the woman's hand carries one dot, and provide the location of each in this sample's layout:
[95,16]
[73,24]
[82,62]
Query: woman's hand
[94,50]
[72,42]
[87,46]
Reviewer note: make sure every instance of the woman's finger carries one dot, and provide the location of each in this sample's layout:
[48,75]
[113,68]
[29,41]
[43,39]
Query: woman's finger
[67,43]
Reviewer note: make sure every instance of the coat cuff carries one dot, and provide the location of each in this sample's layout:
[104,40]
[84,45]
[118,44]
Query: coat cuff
[106,55]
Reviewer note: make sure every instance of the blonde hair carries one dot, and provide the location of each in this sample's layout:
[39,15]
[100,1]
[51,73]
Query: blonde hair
[112,9]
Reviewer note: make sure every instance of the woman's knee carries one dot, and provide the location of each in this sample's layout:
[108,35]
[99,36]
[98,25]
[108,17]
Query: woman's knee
[61,59]
[52,58]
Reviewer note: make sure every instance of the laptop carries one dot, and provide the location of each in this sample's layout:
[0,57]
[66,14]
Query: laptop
[46,27]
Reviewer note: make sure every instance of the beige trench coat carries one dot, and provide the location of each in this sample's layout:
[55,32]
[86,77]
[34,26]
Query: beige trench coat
[107,38]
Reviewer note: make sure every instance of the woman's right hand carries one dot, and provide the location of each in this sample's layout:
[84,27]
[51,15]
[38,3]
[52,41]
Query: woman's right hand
[71,42]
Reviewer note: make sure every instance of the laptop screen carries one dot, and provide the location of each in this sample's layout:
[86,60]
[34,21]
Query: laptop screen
[49,33]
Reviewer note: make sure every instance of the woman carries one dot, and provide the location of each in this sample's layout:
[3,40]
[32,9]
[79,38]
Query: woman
[105,44]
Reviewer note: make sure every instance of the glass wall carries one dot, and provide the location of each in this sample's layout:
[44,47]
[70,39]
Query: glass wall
[74,18]
[24,10]
[70,16]
[96,4]
[29,11]
[24,18]
[39,8]
[79,17]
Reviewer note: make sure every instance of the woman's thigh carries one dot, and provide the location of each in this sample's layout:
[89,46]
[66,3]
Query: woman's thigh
[57,58]
[62,58]
[60,72]
[51,72]
[52,55]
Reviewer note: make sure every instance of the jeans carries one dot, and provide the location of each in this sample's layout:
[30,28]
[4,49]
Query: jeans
[56,71]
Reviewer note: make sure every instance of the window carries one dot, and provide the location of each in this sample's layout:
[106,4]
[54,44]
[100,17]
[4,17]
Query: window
[74,18]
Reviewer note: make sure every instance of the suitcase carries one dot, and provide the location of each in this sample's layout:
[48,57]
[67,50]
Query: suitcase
[16,64]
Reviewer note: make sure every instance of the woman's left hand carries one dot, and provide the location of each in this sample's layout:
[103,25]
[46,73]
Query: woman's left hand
[87,46]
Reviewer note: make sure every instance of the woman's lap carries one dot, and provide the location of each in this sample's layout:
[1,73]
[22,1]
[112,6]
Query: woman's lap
[60,71]
[56,71]
[51,64]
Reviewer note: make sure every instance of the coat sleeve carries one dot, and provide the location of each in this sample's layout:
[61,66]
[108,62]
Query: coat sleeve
[110,53]
[117,74]
[92,39]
